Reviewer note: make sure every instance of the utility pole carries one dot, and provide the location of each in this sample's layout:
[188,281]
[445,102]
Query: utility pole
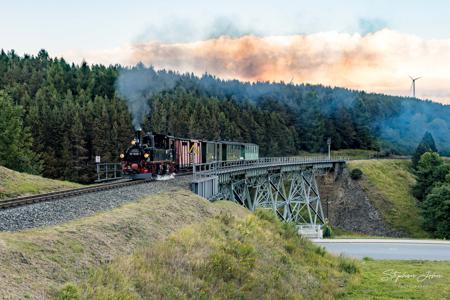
[329,148]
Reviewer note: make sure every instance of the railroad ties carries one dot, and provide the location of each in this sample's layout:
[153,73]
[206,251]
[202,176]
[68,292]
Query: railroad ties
[9,203]
[286,185]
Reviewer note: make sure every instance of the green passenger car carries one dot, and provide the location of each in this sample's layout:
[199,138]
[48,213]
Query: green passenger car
[251,151]
[211,151]
[239,151]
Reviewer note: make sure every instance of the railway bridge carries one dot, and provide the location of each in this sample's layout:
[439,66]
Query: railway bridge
[287,185]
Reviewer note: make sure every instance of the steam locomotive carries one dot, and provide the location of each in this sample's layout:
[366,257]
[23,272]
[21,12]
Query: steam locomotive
[158,155]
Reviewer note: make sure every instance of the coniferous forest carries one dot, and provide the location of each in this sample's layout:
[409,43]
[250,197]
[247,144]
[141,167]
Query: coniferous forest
[56,116]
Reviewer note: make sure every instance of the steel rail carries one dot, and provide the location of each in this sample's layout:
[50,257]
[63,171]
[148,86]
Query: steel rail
[20,201]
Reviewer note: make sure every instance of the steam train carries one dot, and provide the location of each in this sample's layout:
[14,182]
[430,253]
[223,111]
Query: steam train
[157,155]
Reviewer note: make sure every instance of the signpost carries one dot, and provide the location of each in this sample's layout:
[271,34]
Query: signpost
[329,147]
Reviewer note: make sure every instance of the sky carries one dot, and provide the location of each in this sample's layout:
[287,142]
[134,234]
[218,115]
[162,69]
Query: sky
[368,45]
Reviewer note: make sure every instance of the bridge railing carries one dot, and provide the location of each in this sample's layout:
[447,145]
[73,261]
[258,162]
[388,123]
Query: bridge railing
[216,167]
[108,171]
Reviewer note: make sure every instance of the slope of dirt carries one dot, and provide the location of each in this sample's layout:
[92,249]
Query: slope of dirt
[348,206]
[380,203]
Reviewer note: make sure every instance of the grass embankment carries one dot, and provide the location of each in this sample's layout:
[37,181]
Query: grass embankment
[36,263]
[14,184]
[350,153]
[180,246]
[228,258]
[388,185]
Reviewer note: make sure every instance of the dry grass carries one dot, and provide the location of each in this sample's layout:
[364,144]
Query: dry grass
[224,258]
[35,263]
[389,184]
[14,184]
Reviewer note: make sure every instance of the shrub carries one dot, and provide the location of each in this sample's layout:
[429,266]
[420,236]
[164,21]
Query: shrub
[327,231]
[356,174]
[69,292]
[225,218]
[320,250]
[289,230]
[347,265]
[266,215]
[435,210]
[290,247]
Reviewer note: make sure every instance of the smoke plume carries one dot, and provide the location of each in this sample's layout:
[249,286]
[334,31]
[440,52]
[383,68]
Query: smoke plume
[137,85]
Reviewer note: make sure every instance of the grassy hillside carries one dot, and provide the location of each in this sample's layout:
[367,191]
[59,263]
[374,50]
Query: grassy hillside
[36,263]
[255,258]
[228,258]
[178,245]
[388,184]
[350,153]
[14,184]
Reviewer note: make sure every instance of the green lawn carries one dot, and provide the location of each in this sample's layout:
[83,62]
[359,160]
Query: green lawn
[14,184]
[384,279]
[388,184]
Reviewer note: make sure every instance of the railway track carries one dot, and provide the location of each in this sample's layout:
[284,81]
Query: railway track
[13,202]
[20,201]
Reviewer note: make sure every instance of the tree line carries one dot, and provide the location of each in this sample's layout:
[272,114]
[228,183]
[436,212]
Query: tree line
[58,116]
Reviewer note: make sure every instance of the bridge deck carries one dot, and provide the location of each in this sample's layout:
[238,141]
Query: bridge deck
[235,167]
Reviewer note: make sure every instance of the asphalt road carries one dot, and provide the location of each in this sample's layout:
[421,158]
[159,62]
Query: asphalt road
[397,249]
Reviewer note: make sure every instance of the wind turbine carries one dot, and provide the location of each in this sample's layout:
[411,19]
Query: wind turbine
[414,84]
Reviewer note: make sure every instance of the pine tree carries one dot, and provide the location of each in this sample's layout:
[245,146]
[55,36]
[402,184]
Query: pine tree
[427,144]
[436,212]
[15,140]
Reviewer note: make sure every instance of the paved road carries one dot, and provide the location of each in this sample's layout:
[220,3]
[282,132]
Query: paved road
[389,248]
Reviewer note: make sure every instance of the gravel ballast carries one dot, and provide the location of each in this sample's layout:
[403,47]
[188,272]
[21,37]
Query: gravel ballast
[66,209]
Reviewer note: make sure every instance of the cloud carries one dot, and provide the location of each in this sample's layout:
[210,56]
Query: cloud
[367,25]
[379,62]
[182,30]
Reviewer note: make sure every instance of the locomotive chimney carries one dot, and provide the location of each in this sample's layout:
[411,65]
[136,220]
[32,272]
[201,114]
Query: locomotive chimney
[138,138]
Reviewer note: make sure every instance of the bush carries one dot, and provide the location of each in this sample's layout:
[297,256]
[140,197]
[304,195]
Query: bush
[226,218]
[321,250]
[347,265]
[327,231]
[266,215]
[435,210]
[69,292]
[356,174]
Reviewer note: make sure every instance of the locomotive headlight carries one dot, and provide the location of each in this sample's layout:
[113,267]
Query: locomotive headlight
[146,155]
[122,155]
[133,142]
